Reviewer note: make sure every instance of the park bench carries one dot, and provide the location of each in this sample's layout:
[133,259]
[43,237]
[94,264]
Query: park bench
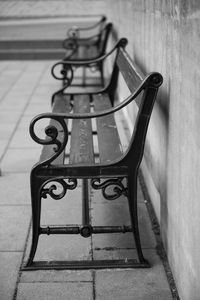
[86,31]
[83,44]
[108,167]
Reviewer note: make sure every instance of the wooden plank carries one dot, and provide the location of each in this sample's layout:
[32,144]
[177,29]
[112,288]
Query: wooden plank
[82,149]
[61,105]
[131,74]
[110,147]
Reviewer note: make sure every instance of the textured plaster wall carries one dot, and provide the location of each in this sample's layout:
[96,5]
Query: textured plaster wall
[50,8]
[165,36]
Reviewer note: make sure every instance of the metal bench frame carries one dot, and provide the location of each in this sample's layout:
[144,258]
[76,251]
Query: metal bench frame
[76,31]
[113,173]
[82,49]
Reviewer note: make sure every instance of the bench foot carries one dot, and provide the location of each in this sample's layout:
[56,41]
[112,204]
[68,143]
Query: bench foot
[84,265]
[36,212]
[132,201]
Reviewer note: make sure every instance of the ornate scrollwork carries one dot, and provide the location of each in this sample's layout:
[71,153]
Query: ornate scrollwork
[118,187]
[74,32]
[63,71]
[70,185]
[71,45]
[51,136]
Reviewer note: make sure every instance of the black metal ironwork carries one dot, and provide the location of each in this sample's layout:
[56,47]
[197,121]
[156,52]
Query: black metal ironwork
[116,183]
[94,63]
[96,42]
[84,230]
[84,265]
[112,173]
[71,45]
[75,31]
[51,139]
[71,185]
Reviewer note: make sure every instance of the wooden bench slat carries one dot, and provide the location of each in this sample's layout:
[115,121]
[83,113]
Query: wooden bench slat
[132,75]
[61,105]
[82,149]
[110,147]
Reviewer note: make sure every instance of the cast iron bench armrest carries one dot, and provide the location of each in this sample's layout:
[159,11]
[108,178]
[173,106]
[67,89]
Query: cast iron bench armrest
[75,42]
[155,78]
[84,48]
[121,43]
[75,30]
[71,43]
[68,64]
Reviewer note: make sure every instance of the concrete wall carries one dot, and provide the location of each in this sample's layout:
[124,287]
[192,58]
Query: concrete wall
[164,36]
[50,8]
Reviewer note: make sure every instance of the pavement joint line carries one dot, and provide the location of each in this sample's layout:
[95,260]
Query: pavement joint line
[12,85]
[2,205]
[22,113]
[11,251]
[22,261]
[94,284]
[92,248]
[58,281]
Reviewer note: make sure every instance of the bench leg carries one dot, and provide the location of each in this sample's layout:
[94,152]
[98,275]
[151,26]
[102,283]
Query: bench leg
[101,74]
[36,212]
[132,199]
[84,77]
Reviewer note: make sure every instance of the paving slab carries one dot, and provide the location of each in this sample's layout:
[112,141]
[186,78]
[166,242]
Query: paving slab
[55,290]
[9,117]
[57,276]
[9,268]
[134,284]
[22,139]
[14,223]
[38,108]
[6,131]
[25,122]
[68,210]
[61,248]
[3,146]
[111,214]
[20,160]
[15,189]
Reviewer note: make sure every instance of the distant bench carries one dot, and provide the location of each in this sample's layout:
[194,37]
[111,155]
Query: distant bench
[108,168]
[85,43]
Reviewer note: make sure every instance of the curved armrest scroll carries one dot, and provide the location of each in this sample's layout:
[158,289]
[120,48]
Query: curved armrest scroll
[121,43]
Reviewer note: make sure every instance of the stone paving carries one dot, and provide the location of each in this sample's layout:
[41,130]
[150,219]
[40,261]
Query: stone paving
[25,90]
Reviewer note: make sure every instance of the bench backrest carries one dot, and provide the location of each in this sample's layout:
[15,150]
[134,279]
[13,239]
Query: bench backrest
[145,98]
[86,31]
[103,38]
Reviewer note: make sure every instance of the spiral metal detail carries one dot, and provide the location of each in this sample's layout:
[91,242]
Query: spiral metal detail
[70,185]
[65,70]
[51,137]
[118,187]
